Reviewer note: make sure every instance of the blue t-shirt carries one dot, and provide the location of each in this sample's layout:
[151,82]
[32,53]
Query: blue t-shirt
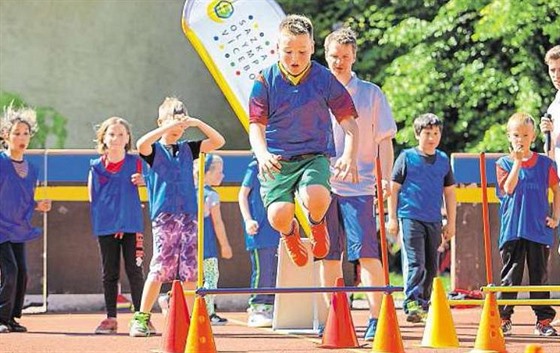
[297,117]
[266,237]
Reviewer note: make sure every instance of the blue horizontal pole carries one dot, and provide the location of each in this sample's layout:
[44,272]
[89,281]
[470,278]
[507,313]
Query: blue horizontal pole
[272,290]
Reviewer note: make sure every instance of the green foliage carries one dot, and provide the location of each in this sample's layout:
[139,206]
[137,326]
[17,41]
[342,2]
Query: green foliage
[49,121]
[472,62]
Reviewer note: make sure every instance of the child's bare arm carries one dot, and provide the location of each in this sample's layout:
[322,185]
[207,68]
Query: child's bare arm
[144,143]
[346,164]
[513,175]
[392,224]
[251,226]
[220,229]
[451,210]
[214,141]
[268,162]
[386,157]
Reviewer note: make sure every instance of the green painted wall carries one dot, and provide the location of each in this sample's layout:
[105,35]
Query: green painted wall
[92,59]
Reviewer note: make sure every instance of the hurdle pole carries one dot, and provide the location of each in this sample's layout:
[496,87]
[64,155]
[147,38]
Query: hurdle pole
[200,253]
[381,210]
[515,289]
[517,302]
[486,220]
[45,236]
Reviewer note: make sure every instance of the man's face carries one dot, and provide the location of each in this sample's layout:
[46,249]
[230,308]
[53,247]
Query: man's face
[340,58]
[554,72]
[295,51]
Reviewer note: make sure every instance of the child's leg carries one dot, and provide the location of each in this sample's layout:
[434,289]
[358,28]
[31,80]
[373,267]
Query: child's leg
[264,263]
[149,294]
[316,200]
[280,216]
[433,240]
[537,260]
[414,252]
[8,268]
[133,269]
[21,284]
[109,248]
[513,263]
[211,276]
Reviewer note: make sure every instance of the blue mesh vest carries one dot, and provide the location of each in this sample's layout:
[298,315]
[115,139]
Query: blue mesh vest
[421,194]
[170,181]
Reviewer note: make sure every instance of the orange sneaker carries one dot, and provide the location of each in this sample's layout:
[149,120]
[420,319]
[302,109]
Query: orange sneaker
[294,246]
[320,240]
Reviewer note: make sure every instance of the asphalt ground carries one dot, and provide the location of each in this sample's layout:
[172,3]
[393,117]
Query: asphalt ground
[65,333]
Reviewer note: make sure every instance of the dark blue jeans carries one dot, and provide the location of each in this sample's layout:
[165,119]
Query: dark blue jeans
[420,259]
[13,283]
[264,263]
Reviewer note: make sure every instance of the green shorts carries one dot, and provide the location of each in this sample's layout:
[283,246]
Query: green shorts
[302,171]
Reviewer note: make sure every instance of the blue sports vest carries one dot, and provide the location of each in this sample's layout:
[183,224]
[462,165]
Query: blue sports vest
[421,194]
[17,202]
[170,181]
[115,204]
[523,214]
[266,237]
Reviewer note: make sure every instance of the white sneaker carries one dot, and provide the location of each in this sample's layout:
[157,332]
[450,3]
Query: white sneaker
[259,319]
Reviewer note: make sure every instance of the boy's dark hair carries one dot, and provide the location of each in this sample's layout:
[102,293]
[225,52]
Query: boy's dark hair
[296,25]
[427,120]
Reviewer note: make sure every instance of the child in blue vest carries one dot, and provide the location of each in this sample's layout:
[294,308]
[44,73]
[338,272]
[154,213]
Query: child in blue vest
[527,226]
[261,241]
[116,215]
[18,179]
[214,229]
[173,205]
[421,175]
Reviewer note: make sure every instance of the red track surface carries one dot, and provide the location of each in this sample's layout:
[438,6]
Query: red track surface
[65,333]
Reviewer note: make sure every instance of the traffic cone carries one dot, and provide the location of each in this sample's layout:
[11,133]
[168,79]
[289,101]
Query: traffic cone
[177,323]
[534,348]
[490,337]
[339,330]
[388,335]
[440,329]
[200,338]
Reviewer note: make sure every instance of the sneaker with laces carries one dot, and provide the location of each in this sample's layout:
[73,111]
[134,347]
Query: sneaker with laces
[371,328]
[216,320]
[544,328]
[16,326]
[294,246]
[139,325]
[507,327]
[107,327]
[320,240]
[415,313]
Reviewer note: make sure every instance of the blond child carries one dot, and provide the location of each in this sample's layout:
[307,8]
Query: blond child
[172,199]
[116,214]
[527,227]
[291,135]
[18,179]
[214,229]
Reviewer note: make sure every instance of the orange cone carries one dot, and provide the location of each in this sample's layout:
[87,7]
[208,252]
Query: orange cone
[388,335]
[339,330]
[534,348]
[177,324]
[490,337]
[200,338]
[440,329]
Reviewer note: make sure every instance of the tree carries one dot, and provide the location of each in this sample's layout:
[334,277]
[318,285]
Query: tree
[473,63]
[49,121]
